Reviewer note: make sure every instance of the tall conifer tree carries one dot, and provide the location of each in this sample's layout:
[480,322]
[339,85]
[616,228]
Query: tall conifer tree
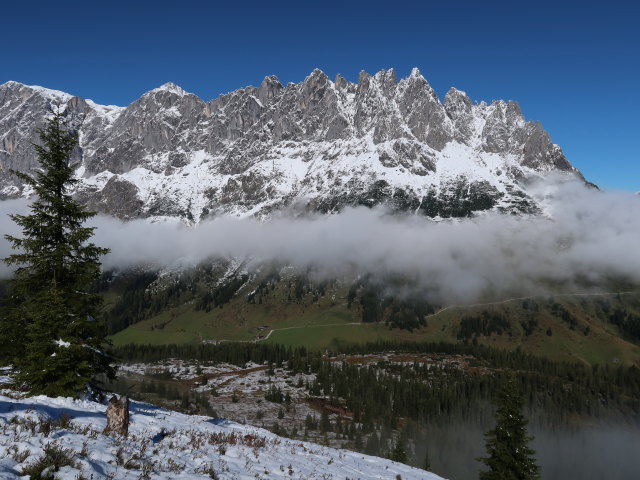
[51,306]
[509,456]
[399,452]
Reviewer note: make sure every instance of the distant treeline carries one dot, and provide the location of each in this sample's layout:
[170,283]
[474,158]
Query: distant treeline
[628,323]
[236,353]
[379,303]
[140,297]
[388,391]
[220,295]
[135,303]
[485,324]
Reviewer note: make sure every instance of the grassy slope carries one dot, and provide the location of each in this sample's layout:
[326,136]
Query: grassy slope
[237,320]
[325,323]
[601,345]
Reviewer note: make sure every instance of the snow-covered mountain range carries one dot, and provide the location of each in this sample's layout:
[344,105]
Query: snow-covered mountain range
[317,145]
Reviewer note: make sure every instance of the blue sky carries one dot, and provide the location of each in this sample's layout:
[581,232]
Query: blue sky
[574,66]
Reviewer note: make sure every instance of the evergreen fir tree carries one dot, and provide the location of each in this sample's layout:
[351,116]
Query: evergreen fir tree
[51,307]
[358,440]
[325,422]
[427,462]
[508,455]
[399,452]
[373,445]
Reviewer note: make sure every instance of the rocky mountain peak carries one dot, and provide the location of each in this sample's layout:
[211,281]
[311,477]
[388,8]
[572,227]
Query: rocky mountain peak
[11,86]
[26,91]
[460,110]
[317,77]
[458,105]
[386,76]
[340,82]
[454,96]
[415,73]
[169,87]
[269,89]
[363,79]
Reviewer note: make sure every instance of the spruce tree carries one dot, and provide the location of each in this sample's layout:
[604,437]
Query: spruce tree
[427,462]
[399,453]
[373,445]
[509,456]
[51,307]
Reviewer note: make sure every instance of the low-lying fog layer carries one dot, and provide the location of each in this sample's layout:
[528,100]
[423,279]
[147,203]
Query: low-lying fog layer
[585,235]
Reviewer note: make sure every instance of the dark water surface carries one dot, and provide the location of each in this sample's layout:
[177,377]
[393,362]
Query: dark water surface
[606,452]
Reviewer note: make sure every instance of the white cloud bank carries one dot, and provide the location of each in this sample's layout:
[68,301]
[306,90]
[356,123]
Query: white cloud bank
[586,234]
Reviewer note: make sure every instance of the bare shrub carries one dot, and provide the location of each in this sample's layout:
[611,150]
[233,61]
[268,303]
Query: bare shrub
[53,459]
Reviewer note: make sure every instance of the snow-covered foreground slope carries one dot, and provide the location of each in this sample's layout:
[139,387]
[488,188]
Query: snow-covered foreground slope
[165,444]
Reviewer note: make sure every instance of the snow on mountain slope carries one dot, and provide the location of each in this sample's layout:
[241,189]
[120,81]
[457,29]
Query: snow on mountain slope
[315,145]
[163,444]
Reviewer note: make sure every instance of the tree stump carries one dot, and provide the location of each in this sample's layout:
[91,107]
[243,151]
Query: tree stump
[118,416]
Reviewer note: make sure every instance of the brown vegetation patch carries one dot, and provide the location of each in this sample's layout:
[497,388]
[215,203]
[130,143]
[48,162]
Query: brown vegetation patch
[321,404]
[248,440]
[234,373]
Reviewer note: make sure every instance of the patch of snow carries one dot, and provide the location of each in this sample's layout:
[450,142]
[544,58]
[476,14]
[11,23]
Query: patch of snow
[5,375]
[170,445]
[53,95]
[257,100]
[109,112]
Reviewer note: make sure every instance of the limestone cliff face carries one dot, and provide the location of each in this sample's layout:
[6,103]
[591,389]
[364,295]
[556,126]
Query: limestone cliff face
[316,145]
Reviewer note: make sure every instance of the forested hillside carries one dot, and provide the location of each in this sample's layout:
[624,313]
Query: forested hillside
[228,302]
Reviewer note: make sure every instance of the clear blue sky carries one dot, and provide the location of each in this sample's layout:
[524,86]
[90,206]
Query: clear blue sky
[574,66]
